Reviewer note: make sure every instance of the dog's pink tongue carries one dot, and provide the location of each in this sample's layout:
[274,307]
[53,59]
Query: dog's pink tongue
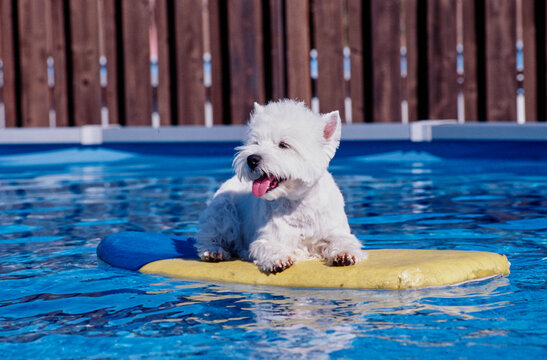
[261,185]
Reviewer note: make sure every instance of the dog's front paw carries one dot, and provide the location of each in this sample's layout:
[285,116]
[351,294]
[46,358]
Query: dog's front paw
[344,260]
[347,259]
[216,255]
[276,266]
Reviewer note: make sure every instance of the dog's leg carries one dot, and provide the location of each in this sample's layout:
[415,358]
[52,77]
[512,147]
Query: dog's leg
[270,257]
[218,229]
[343,250]
[215,255]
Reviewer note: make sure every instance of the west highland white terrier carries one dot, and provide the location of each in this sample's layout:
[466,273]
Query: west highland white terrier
[282,206]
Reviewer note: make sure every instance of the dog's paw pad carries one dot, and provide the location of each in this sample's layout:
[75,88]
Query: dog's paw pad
[215,256]
[344,260]
[279,266]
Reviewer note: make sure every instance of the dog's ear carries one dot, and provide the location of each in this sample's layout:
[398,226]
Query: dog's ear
[258,108]
[331,124]
[332,130]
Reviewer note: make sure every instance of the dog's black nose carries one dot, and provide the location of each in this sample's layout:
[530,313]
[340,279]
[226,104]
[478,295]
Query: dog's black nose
[253,161]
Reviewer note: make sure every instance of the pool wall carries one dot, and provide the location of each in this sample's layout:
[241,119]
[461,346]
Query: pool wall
[440,138]
[420,131]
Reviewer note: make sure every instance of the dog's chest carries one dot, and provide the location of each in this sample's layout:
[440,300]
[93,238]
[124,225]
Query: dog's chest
[304,221]
[300,220]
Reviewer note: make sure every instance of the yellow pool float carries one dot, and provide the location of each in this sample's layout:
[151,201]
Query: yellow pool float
[175,256]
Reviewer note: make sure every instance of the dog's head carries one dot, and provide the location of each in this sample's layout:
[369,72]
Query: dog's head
[288,148]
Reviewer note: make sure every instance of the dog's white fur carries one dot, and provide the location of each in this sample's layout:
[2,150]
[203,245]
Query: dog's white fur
[303,217]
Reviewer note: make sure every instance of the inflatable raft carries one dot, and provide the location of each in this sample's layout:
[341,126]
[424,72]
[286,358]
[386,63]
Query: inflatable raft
[176,256]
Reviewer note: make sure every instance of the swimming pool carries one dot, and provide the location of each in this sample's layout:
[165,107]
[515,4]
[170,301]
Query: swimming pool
[58,301]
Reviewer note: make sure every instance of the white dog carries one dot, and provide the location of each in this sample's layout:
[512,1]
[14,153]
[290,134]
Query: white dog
[283,205]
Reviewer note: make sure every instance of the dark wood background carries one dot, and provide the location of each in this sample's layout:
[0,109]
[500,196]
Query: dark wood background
[260,50]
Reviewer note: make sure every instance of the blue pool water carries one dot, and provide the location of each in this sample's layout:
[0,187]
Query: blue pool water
[58,301]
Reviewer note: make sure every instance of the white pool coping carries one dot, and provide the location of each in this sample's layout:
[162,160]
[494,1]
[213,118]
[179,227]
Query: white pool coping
[421,131]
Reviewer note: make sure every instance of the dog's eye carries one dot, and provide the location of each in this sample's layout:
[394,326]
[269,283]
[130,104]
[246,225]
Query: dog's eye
[284,145]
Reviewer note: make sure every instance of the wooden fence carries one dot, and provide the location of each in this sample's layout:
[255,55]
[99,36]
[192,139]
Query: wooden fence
[163,62]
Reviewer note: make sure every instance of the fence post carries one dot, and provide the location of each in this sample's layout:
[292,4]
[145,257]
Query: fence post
[501,84]
[441,48]
[298,43]
[164,95]
[219,67]
[35,101]
[470,52]
[530,60]
[111,36]
[84,47]
[411,38]
[189,45]
[329,42]
[356,36]
[136,62]
[386,65]
[56,47]
[8,59]
[246,58]
[277,48]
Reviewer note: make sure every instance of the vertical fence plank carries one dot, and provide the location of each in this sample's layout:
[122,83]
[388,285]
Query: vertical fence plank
[441,47]
[32,48]
[329,42]
[470,84]
[164,67]
[7,54]
[530,60]
[298,43]
[55,16]
[355,43]
[501,86]
[84,47]
[111,45]
[277,47]
[386,65]
[246,58]
[189,39]
[217,39]
[411,37]
[136,62]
